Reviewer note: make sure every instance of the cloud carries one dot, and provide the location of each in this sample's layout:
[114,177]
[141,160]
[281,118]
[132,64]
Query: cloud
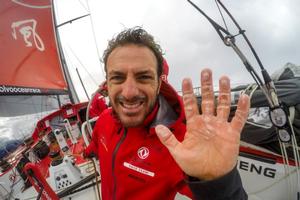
[191,43]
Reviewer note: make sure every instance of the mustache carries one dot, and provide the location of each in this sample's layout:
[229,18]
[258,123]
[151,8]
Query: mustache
[121,98]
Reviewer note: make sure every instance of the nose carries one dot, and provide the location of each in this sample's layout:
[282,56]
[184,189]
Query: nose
[130,88]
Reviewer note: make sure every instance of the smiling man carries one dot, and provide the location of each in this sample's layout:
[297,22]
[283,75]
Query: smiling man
[133,83]
[153,144]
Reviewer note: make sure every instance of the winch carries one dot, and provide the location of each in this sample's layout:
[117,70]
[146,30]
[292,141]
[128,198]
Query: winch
[63,172]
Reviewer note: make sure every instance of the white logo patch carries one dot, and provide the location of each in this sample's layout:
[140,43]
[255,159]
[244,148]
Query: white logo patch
[143,152]
[138,169]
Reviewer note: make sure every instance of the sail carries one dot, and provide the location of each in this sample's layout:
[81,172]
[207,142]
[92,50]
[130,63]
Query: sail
[32,81]
[30,62]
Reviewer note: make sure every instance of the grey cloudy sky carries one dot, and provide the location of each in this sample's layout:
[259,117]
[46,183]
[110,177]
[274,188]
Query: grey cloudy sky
[189,41]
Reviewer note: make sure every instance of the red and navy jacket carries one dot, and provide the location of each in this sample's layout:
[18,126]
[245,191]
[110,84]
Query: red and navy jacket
[134,164]
[98,105]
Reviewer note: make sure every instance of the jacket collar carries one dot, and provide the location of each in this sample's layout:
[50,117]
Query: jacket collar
[170,110]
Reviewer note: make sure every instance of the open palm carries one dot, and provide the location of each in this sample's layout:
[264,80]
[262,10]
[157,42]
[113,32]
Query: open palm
[211,144]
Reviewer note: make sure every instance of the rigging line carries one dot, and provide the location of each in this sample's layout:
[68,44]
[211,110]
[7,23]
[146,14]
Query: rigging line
[79,77]
[77,58]
[84,89]
[70,21]
[289,178]
[29,105]
[296,153]
[282,178]
[285,164]
[66,54]
[216,26]
[55,9]
[41,104]
[45,103]
[83,6]
[229,41]
[221,15]
[244,35]
[49,103]
[94,36]
[34,108]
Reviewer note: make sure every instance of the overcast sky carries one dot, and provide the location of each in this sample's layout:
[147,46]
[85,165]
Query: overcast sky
[190,43]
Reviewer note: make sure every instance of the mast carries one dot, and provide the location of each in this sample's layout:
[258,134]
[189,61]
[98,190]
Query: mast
[71,89]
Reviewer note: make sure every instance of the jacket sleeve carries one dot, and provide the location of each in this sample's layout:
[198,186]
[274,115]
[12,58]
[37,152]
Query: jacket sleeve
[228,187]
[91,149]
[98,105]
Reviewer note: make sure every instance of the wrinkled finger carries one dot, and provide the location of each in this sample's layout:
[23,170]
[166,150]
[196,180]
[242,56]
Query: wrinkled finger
[224,99]
[189,99]
[241,113]
[207,93]
[166,137]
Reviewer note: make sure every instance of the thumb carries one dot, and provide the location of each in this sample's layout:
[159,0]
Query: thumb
[166,137]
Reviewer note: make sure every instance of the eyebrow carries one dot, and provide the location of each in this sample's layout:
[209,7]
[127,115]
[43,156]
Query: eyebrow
[145,72]
[113,72]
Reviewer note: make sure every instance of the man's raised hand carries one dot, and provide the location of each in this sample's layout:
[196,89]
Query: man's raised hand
[211,143]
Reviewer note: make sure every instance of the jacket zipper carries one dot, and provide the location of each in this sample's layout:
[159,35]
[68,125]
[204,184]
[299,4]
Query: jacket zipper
[113,162]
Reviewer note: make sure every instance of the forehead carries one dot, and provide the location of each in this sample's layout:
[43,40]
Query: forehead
[131,57]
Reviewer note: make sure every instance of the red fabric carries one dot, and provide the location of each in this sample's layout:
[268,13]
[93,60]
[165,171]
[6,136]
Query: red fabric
[47,193]
[91,149]
[165,71]
[165,67]
[103,86]
[126,175]
[97,106]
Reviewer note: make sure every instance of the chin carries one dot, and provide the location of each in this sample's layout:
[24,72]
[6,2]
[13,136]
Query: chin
[131,122]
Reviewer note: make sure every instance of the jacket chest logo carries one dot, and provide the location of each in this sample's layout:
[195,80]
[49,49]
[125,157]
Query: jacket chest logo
[143,152]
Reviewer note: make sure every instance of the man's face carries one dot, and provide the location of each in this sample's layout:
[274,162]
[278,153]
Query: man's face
[132,82]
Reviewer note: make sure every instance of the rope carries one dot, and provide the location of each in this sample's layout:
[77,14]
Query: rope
[250,91]
[296,154]
[96,177]
[271,185]
[287,166]
[82,65]
[221,15]
[94,34]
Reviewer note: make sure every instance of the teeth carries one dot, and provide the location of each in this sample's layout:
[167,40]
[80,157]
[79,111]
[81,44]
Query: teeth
[131,106]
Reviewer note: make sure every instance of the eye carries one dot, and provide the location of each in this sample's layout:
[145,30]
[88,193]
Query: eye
[145,77]
[116,78]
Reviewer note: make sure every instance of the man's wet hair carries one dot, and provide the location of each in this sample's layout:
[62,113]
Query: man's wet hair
[137,36]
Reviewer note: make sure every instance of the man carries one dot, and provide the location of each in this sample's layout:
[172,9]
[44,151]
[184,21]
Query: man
[152,144]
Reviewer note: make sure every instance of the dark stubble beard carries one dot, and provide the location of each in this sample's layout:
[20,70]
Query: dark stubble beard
[151,107]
